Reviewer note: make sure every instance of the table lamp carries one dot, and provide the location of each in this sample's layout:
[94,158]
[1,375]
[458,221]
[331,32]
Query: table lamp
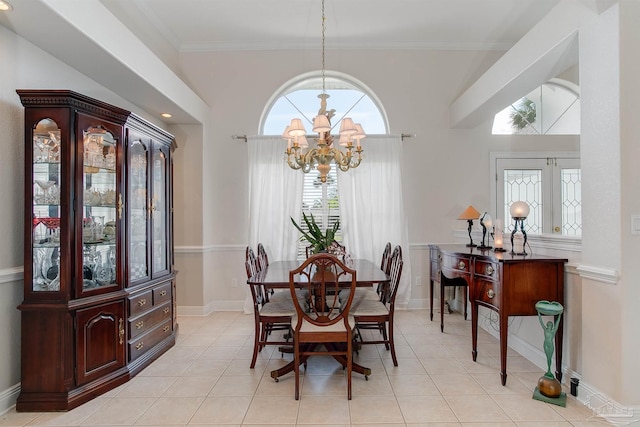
[519,211]
[485,223]
[469,215]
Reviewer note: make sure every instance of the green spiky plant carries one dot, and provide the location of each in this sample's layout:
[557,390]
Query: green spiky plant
[524,114]
[317,239]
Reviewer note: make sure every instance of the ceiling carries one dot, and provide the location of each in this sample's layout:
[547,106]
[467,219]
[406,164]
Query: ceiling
[169,27]
[197,25]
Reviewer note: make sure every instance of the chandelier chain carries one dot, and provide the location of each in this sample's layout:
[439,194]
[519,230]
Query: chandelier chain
[324,27]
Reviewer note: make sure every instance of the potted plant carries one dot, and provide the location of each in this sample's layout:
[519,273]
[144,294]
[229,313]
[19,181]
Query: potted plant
[321,242]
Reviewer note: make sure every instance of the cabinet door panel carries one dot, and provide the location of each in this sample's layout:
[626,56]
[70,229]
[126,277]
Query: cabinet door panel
[101,340]
[160,211]
[138,208]
[99,142]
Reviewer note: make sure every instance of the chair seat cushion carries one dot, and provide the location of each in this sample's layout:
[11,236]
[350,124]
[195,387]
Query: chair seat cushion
[370,308]
[336,327]
[278,308]
[285,296]
[361,294]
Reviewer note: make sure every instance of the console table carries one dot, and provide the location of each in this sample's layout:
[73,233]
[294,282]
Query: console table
[507,284]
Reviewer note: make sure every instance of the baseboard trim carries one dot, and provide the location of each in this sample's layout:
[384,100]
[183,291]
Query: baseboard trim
[202,311]
[603,407]
[8,398]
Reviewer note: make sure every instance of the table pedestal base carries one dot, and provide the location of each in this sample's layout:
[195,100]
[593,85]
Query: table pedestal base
[289,367]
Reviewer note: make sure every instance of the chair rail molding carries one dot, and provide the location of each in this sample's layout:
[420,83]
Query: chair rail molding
[199,249]
[599,274]
[11,275]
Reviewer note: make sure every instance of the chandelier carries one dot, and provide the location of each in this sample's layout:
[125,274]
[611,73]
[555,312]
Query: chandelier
[301,156]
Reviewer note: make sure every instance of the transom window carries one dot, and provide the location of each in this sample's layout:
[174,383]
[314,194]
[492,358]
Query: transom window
[299,98]
[551,109]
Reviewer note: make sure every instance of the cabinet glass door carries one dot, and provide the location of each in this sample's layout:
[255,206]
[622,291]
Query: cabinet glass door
[99,222]
[46,207]
[159,211]
[138,180]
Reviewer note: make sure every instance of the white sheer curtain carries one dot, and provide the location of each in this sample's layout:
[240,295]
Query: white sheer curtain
[275,194]
[371,206]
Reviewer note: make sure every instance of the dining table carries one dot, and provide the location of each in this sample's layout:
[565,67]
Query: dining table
[276,276]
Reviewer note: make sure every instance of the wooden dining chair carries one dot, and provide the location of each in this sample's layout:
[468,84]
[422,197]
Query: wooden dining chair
[269,315]
[374,293]
[385,264]
[378,315]
[453,282]
[263,259]
[324,327]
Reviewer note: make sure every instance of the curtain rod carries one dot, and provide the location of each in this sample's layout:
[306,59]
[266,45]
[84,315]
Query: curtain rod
[402,136]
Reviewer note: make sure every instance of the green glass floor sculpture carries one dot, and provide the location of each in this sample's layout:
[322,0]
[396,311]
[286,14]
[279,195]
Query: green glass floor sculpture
[549,388]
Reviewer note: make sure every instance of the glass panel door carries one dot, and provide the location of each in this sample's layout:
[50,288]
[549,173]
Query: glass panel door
[138,190]
[159,208]
[46,206]
[99,233]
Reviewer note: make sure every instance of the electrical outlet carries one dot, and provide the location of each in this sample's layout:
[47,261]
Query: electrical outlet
[418,281]
[234,282]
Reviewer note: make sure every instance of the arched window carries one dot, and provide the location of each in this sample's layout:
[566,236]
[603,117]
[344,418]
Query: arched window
[550,109]
[299,98]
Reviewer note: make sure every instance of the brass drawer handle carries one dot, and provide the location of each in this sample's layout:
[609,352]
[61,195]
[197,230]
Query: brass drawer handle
[140,345]
[166,310]
[489,270]
[120,331]
[461,265]
[140,324]
[165,329]
[163,293]
[491,293]
[142,302]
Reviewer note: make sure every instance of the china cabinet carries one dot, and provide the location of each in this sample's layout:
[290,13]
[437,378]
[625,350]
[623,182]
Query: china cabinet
[99,282]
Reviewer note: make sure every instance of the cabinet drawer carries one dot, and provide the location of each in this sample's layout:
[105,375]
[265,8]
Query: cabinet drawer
[487,270]
[162,294]
[488,292]
[143,343]
[456,263]
[142,324]
[139,303]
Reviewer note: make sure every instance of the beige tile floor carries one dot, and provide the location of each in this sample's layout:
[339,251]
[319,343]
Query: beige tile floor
[205,380]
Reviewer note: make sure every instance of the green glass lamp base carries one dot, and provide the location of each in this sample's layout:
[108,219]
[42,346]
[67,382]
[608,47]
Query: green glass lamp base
[560,400]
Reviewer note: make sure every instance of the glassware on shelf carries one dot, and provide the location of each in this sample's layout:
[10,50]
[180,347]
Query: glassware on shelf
[89,262]
[44,198]
[46,232]
[47,268]
[46,141]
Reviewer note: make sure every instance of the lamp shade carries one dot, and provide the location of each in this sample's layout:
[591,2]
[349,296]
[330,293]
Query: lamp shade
[347,127]
[469,213]
[285,134]
[519,209]
[345,140]
[296,128]
[359,135]
[321,124]
[302,141]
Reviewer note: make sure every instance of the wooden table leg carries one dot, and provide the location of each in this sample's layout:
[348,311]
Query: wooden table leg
[504,321]
[474,330]
[289,367]
[431,299]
